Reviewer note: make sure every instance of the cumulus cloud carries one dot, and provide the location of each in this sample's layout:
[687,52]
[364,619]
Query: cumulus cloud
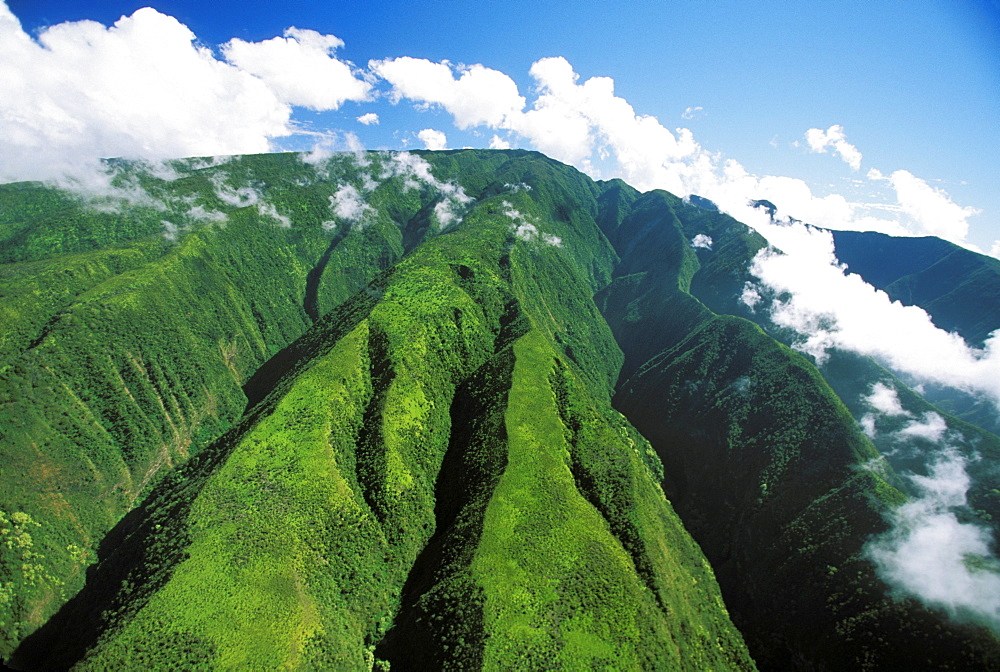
[496,142]
[834,138]
[931,208]
[479,96]
[433,139]
[931,554]
[141,87]
[830,308]
[368,119]
[300,68]
[702,241]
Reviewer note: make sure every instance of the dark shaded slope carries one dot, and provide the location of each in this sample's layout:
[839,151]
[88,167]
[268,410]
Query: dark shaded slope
[958,288]
[765,465]
[786,533]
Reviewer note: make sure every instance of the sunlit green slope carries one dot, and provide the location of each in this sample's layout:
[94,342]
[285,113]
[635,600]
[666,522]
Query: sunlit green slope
[119,362]
[431,476]
[355,412]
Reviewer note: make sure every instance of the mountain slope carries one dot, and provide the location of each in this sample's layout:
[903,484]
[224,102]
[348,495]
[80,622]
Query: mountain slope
[958,288]
[436,461]
[355,412]
[769,471]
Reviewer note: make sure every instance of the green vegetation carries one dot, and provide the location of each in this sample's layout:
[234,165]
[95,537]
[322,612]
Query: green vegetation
[355,412]
[765,464]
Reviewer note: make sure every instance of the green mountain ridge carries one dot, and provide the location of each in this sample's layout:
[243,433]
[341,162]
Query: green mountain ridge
[363,419]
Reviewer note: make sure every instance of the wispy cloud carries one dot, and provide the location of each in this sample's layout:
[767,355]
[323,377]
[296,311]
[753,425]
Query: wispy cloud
[525,227]
[691,112]
[933,555]
[368,119]
[885,400]
[931,208]
[348,204]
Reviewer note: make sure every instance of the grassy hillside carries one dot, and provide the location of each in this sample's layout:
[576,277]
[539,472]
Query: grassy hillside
[121,362]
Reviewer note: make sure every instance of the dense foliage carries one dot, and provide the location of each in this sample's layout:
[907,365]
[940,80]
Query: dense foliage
[355,412]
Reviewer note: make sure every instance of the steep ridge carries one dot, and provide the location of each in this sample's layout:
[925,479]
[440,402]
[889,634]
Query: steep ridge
[364,421]
[119,363]
[436,462]
[769,471]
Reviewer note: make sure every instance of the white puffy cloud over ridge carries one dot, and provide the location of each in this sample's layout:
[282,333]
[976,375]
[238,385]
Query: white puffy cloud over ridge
[145,88]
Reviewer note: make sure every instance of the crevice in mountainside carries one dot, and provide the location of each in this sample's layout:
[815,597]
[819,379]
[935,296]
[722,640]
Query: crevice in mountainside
[371,467]
[315,275]
[438,582]
[327,331]
[615,462]
[440,619]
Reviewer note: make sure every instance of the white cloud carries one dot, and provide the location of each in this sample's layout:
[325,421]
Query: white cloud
[691,112]
[575,121]
[368,119]
[433,139]
[702,241]
[268,210]
[348,204]
[931,208]
[496,142]
[885,400]
[300,68]
[830,308]
[931,427]
[927,552]
[479,97]
[142,87]
[525,228]
[995,250]
[833,137]
[238,198]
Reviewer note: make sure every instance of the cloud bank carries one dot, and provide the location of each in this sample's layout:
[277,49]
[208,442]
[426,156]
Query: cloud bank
[813,295]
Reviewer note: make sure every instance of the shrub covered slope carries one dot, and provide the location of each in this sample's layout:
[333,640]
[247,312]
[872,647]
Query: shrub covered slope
[355,412]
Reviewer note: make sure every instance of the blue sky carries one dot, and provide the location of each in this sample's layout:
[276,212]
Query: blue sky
[911,90]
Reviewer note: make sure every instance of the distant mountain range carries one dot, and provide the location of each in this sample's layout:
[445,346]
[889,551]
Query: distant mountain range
[459,410]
